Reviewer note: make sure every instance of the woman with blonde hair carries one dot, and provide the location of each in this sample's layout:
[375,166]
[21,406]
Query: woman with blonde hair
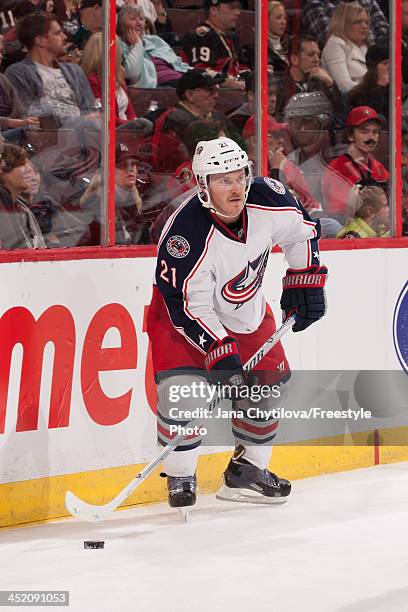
[91,64]
[371,214]
[344,54]
[278,41]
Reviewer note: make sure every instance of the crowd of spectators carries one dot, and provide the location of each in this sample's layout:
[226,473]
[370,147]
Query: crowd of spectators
[185,72]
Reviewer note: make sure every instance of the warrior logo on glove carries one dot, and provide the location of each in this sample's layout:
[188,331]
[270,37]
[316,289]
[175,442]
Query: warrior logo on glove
[303,294]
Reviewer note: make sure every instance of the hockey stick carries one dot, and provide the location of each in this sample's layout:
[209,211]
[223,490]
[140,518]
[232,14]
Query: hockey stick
[88,512]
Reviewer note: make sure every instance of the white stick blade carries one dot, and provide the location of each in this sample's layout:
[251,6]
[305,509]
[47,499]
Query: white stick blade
[83,510]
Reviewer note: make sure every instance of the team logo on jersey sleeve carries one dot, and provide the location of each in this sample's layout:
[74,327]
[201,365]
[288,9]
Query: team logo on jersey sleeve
[245,285]
[400,328]
[275,185]
[178,247]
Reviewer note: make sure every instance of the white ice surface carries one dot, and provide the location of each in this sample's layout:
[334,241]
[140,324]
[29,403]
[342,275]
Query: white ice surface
[339,544]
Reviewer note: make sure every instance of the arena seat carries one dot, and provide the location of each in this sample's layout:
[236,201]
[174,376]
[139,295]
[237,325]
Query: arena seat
[141,98]
[228,100]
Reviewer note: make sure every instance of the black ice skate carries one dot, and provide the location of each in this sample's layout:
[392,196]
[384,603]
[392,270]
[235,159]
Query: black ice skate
[182,490]
[244,482]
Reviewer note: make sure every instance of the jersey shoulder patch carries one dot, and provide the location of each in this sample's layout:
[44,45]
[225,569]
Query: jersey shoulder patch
[188,231]
[275,185]
[270,193]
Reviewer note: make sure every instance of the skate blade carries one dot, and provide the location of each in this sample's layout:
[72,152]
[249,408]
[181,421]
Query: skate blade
[184,513]
[247,496]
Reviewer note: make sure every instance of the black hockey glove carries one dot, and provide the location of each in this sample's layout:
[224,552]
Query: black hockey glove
[224,365]
[223,362]
[303,294]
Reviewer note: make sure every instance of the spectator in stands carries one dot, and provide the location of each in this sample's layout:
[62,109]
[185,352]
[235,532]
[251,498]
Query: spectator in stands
[163,25]
[281,169]
[213,45]
[149,8]
[47,87]
[18,227]
[279,166]
[149,61]
[306,74]
[310,119]
[59,227]
[14,51]
[182,184]
[371,217]
[241,115]
[357,166]
[278,41]
[316,15]
[67,12]
[91,19]
[374,89]
[129,224]
[197,91]
[344,54]
[91,64]
[12,113]
[157,16]
[183,179]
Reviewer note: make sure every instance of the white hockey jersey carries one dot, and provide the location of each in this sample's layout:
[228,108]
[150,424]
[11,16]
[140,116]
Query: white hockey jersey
[211,279]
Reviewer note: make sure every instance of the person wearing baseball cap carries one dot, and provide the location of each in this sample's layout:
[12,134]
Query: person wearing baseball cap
[197,91]
[213,44]
[129,224]
[374,88]
[357,166]
[123,154]
[198,79]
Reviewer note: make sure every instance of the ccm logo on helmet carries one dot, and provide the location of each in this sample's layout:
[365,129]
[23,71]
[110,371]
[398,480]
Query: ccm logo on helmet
[232,159]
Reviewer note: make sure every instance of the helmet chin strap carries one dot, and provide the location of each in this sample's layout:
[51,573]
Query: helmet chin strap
[220,214]
[227,216]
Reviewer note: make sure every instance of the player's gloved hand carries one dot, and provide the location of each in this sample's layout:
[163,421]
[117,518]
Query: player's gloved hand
[303,294]
[223,362]
[224,365]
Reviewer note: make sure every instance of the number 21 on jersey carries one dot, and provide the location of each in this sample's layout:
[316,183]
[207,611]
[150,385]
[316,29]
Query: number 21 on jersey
[164,274]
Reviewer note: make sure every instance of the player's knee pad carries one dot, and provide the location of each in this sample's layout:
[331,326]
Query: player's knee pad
[256,421]
[178,397]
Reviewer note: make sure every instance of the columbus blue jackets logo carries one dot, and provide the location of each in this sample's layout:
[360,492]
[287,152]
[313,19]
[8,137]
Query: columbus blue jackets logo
[178,247]
[244,285]
[275,185]
[400,328]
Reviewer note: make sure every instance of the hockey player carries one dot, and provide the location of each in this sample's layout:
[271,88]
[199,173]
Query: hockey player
[208,315]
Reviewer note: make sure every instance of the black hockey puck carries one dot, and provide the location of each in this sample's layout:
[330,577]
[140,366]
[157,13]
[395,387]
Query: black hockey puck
[94,544]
